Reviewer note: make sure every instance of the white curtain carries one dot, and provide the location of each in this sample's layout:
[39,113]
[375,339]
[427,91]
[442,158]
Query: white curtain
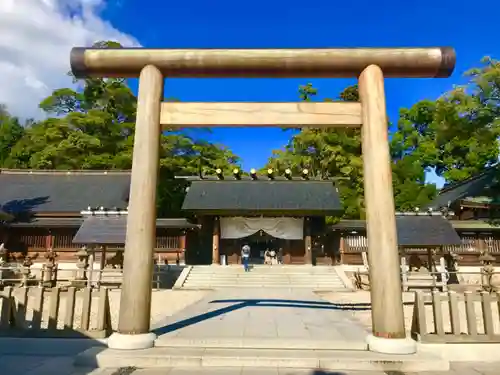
[287,228]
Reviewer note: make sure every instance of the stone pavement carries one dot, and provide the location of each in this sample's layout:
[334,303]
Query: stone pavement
[20,365]
[263,318]
[230,318]
[457,369]
[40,356]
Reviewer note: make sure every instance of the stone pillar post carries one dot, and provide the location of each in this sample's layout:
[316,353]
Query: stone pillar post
[135,302]
[216,242]
[102,265]
[182,248]
[90,269]
[307,242]
[388,327]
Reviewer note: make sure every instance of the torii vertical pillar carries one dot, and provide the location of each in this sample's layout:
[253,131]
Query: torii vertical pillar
[135,302]
[388,328]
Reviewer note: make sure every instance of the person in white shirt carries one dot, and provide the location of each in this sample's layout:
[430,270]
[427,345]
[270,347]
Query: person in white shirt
[245,256]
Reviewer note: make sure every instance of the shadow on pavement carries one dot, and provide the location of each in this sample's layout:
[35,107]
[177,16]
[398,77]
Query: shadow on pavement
[242,303]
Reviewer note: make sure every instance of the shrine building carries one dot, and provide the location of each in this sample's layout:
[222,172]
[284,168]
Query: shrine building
[65,210]
[281,213]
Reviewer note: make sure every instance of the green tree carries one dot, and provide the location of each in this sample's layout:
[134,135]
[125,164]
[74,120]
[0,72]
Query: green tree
[93,128]
[336,153]
[458,133]
[327,153]
[11,131]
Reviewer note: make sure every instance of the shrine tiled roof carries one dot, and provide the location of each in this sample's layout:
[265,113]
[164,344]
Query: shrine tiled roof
[62,191]
[307,197]
[425,230]
[111,230]
[466,189]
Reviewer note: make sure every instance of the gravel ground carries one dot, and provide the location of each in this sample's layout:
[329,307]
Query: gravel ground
[164,303]
[361,310]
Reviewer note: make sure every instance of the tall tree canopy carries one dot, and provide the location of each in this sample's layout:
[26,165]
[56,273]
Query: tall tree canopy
[93,128]
[11,131]
[336,153]
[456,134]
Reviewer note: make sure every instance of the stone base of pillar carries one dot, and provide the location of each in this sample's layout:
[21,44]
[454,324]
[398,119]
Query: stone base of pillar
[121,341]
[391,346]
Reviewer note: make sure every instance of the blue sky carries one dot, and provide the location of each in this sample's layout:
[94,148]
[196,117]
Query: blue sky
[276,23]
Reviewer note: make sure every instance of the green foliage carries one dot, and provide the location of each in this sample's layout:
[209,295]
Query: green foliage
[11,131]
[458,133]
[328,153]
[93,128]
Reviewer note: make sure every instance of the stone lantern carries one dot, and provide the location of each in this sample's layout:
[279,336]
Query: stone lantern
[82,265]
[49,268]
[25,270]
[3,260]
[487,271]
[3,256]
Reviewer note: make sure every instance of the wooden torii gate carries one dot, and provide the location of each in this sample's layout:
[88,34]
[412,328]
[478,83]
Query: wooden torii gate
[369,65]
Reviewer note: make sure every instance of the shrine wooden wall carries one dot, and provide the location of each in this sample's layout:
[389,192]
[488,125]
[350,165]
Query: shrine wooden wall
[170,243]
[473,243]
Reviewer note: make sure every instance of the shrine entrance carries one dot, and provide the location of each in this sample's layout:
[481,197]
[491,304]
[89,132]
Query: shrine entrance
[259,243]
[369,65]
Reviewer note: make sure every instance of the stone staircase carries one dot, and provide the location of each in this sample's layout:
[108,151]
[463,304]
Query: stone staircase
[277,276]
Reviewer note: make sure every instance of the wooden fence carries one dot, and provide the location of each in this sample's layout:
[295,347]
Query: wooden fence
[54,313]
[469,317]
[164,276]
[356,245]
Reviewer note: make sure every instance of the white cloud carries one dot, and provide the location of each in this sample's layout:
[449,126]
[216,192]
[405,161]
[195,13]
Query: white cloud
[36,37]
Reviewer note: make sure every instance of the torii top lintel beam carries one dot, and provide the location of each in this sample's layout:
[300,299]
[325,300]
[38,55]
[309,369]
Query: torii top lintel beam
[436,62]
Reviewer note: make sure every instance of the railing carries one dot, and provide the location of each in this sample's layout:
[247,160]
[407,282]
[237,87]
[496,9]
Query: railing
[357,243]
[54,313]
[435,280]
[469,317]
[164,277]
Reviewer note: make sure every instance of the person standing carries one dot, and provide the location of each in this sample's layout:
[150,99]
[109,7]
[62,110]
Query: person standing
[245,256]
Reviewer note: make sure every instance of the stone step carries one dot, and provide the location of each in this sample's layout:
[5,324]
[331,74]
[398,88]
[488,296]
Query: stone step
[280,276]
[319,288]
[251,274]
[313,359]
[259,343]
[263,270]
[229,282]
[232,286]
[219,277]
[269,277]
[275,269]
[266,277]
[266,282]
[262,274]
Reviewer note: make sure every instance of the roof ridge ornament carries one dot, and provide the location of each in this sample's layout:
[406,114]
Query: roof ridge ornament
[102,211]
[417,212]
[64,172]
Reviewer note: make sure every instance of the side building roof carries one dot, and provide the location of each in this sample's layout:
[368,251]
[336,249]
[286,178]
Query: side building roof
[415,230]
[273,197]
[62,191]
[111,230]
[469,188]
